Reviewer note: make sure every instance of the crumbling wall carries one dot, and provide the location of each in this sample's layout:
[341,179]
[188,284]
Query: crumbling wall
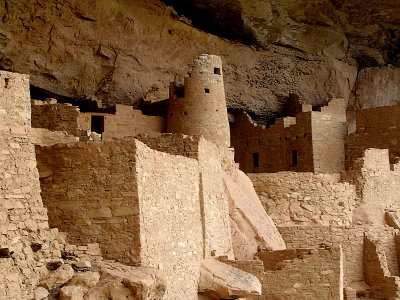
[376,271]
[297,273]
[305,198]
[352,241]
[23,219]
[56,116]
[250,140]
[377,185]
[90,190]
[125,122]
[310,142]
[171,231]
[376,128]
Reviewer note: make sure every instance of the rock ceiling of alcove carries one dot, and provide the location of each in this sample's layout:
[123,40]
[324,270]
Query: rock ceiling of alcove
[126,50]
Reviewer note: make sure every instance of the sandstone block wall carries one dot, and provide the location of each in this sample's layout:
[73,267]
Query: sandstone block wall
[90,190]
[376,184]
[126,121]
[199,107]
[310,142]
[376,128]
[214,202]
[171,231]
[298,273]
[292,198]
[23,219]
[15,108]
[56,117]
[352,241]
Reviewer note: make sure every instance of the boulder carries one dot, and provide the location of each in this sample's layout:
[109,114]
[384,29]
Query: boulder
[85,279]
[251,227]
[41,293]
[118,280]
[222,281]
[72,292]
[58,277]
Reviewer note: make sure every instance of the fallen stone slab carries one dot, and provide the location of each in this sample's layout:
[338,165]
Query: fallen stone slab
[222,281]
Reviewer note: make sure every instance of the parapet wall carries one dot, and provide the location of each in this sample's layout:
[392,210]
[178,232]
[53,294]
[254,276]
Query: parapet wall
[352,241]
[306,198]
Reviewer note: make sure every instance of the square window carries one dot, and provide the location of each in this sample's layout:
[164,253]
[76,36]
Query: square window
[207,91]
[217,71]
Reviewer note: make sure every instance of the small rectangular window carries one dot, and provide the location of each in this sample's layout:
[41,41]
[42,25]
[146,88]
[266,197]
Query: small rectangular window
[256,162]
[217,71]
[294,158]
[207,91]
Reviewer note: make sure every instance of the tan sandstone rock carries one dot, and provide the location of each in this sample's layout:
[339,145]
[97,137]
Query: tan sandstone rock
[41,293]
[251,226]
[58,277]
[119,281]
[221,281]
[72,292]
[85,279]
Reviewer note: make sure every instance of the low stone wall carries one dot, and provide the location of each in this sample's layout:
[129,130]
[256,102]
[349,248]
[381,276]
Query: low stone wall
[305,198]
[352,241]
[297,273]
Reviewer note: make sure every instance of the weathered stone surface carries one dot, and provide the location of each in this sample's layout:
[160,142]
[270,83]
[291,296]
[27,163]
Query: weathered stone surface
[221,281]
[377,87]
[117,279]
[72,292]
[41,293]
[58,277]
[251,226]
[85,279]
[143,46]
[324,28]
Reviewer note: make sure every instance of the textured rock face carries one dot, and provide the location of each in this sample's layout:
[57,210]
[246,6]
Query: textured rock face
[377,87]
[365,31]
[120,52]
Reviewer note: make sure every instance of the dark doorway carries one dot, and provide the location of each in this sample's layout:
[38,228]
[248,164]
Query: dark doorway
[97,124]
[294,158]
[256,162]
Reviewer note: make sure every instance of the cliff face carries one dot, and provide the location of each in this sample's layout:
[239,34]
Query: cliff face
[123,51]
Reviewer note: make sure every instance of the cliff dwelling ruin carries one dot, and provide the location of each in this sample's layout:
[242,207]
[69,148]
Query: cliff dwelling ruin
[139,169]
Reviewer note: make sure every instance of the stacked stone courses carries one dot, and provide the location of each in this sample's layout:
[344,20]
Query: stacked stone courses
[198,107]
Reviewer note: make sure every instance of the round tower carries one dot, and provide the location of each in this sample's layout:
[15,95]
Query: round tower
[198,106]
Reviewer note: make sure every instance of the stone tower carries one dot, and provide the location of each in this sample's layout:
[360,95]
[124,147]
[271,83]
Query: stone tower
[198,106]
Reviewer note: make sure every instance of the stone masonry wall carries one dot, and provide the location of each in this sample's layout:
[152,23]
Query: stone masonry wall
[305,198]
[23,220]
[376,128]
[171,232]
[90,190]
[376,183]
[352,241]
[56,117]
[298,273]
[214,202]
